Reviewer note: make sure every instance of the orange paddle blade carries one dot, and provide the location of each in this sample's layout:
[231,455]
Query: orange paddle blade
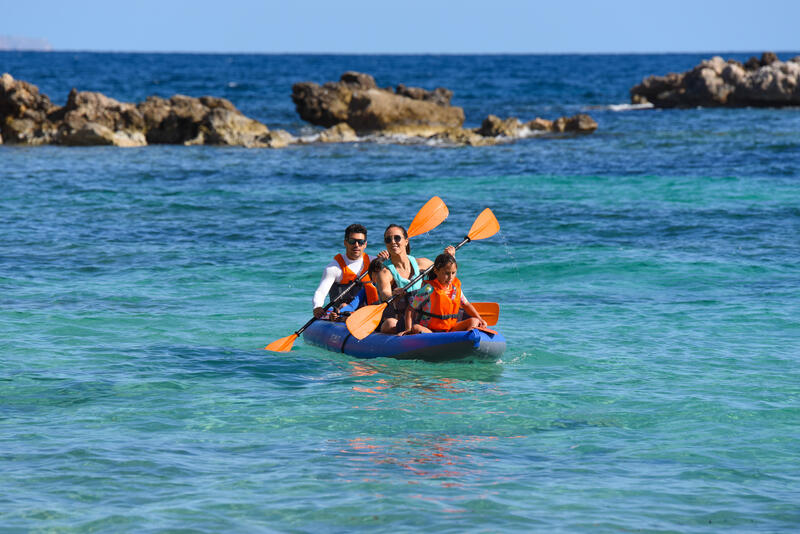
[284,344]
[365,320]
[487,330]
[485,225]
[490,311]
[432,214]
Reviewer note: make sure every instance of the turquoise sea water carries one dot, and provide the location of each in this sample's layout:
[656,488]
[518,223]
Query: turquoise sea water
[647,276]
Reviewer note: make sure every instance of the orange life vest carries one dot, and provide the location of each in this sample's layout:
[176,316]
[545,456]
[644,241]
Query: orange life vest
[438,306]
[372,294]
[348,276]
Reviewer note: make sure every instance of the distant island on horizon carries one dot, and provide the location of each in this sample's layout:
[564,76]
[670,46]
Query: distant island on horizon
[12,42]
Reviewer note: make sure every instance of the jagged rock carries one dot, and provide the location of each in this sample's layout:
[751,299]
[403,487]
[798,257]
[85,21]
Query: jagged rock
[494,126]
[356,100]
[341,133]
[540,125]
[92,134]
[94,119]
[512,128]
[202,121]
[377,110]
[276,139]
[175,121]
[440,95]
[580,123]
[768,58]
[327,105]
[358,81]
[24,113]
[321,105]
[90,118]
[222,126]
[463,136]
[715,82]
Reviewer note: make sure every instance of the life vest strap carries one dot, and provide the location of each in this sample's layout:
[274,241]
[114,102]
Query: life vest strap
[443,317]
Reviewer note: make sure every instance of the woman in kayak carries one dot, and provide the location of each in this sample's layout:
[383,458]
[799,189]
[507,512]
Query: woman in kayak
[437,303]
[401,267]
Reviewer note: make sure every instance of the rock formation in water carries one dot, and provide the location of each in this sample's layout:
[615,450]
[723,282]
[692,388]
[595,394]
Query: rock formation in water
[29,117]
[356,102]
[767,82]
[352,106]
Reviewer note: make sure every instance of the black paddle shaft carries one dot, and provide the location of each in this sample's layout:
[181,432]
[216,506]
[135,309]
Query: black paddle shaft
[335,301]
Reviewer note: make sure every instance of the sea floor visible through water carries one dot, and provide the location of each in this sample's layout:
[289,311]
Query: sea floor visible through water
[646,274]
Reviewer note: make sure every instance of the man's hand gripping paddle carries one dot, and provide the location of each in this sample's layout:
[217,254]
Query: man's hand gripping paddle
[363,321]
[432,214]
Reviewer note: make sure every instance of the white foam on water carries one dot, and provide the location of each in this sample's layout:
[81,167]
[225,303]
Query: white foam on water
[629,107]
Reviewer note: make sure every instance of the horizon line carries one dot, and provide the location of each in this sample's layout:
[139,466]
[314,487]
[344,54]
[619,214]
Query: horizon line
[295,53]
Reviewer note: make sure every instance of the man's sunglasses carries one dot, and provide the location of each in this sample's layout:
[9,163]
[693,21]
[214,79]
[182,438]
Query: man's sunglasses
[388,239]
[353,241]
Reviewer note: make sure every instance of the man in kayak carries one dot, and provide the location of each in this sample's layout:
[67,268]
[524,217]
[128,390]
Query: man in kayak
[369,293]
[344,269]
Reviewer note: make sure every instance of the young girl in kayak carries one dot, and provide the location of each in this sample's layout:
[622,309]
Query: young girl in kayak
[401,267]
[438,302]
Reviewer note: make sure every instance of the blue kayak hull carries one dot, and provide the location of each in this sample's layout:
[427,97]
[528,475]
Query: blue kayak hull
[436,347]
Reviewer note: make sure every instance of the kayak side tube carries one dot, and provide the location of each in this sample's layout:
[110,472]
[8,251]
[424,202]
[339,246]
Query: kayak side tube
[439,346]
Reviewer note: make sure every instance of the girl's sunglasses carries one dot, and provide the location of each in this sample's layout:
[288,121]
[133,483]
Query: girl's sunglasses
[388,239]
[353,241]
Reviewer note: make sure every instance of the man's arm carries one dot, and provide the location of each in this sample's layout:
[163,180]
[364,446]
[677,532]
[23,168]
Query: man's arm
[328,278]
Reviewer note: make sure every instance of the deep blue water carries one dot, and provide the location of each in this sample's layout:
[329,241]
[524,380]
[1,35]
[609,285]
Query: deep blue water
[647,276]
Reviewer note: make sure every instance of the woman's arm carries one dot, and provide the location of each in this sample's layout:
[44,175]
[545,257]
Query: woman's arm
[384,284]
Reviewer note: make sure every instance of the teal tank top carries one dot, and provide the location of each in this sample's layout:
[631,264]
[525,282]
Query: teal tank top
[403,282]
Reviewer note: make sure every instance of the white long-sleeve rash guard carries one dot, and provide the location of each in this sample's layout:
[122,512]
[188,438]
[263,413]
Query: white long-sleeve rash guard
[333,273]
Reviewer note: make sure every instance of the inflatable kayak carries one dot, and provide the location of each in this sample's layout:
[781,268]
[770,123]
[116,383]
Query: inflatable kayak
[436,347]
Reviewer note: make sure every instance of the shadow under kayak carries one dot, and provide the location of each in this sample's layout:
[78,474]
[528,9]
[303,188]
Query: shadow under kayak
[436,347]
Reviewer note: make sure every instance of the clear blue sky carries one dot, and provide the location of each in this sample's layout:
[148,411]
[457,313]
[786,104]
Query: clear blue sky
[411,26]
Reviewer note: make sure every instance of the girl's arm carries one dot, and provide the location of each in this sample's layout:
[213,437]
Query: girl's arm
[409,321]
[473,312]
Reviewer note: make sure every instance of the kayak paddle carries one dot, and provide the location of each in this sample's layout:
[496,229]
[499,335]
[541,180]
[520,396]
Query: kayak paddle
[490,311]
[363,321]
[431,215]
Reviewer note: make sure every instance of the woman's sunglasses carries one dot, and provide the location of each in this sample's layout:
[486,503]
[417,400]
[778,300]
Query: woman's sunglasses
[388,239]
[353,241]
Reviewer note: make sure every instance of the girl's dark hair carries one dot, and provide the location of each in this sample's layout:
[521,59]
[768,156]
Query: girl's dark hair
[375,266]
[442,260]
[405,234]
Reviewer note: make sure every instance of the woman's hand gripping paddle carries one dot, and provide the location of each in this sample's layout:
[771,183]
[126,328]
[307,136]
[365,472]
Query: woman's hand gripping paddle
[431,215]
[363,321]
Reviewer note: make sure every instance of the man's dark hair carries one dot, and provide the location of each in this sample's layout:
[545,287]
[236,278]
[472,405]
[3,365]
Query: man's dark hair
[355,229]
